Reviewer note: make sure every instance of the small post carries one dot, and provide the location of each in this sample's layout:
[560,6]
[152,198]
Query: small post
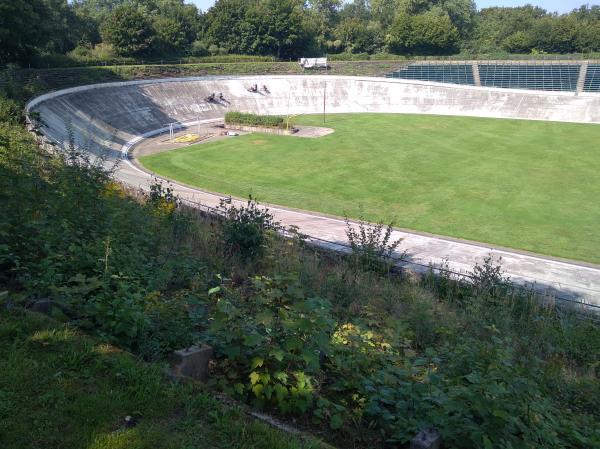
[193,362]
[324,100]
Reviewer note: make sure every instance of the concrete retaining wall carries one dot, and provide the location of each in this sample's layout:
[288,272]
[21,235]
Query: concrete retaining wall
[109,115]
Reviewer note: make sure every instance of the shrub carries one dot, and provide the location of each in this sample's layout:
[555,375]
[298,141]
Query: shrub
[488,278]
[199,48]
[273,339]
[371,246]
[347,56]
[477,393]
[162,198]
[245,229]
[10,110]
[242,118]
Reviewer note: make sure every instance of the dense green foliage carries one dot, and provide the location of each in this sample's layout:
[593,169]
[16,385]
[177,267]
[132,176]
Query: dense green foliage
[245,229]
[364,357]
[428,33]
[532,30]
[60,388]
[431,176]
[108,30]
[129,32]
[243,118]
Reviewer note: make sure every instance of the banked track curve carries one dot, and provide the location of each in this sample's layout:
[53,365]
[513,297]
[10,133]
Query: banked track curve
[113,117]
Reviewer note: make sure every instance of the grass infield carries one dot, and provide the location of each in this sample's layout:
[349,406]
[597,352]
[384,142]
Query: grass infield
[527,185]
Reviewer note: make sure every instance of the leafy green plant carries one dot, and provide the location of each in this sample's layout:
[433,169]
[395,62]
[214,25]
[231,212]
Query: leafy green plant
[489,277]
[477,393]
[371,246]
[245,228]
[10,110]
[162,197]
[271,341]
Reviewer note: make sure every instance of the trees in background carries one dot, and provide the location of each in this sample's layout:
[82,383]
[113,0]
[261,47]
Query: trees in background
[532,29]
[429,33]
[128,30]
[18,34]
[97,29]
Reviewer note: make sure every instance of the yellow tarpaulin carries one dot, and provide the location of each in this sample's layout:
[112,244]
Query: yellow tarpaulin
[187,138]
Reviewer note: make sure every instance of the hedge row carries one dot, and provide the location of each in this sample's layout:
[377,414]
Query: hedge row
[242,118]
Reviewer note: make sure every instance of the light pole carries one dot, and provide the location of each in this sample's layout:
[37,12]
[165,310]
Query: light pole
[324,100]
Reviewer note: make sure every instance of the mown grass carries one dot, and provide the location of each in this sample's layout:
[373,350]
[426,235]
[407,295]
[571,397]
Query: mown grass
[62,389]
[522,184]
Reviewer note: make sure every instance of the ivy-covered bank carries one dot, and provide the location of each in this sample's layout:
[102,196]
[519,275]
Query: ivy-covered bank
[337,345]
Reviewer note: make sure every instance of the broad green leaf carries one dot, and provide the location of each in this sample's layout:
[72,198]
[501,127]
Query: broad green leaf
[256,362]
[277,354]
[254,377]
[336,421]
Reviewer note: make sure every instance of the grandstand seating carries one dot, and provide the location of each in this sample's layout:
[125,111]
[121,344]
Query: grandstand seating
[592,79]
[550,76]
[442,73]
[553,77]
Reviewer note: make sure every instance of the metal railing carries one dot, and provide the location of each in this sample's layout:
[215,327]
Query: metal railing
[592,79]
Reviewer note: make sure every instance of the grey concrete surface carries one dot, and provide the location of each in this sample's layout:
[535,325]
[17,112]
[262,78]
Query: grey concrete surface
[114,117]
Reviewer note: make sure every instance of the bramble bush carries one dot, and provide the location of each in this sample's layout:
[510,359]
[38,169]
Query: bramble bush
[245,229]
[76,237]
[478,394]
[371,246]
[270,341]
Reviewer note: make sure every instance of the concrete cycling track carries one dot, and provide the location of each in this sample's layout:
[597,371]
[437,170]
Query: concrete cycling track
[113,117]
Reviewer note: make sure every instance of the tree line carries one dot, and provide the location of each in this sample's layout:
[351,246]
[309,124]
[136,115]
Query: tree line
[101,29]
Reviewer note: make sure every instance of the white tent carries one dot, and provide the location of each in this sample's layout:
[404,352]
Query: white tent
[310,63]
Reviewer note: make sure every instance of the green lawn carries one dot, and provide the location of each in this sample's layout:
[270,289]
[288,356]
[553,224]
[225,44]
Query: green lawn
[521,184]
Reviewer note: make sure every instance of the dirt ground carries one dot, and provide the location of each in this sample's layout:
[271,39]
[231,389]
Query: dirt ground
[210,132]
[158,144]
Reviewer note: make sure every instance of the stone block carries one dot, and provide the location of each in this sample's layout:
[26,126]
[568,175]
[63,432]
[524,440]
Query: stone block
[427,439]
[193,362]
